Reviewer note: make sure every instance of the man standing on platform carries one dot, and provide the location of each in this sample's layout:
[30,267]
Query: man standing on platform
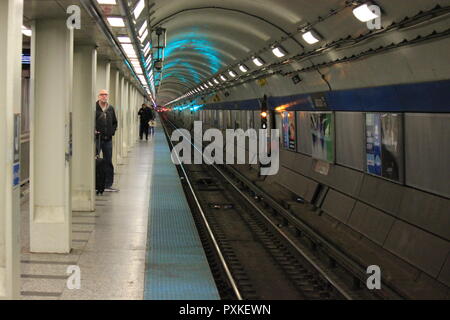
[146,115]
[105,128]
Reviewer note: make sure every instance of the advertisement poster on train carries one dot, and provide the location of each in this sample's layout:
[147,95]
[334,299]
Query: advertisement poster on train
[373,143]
[322,135]
[384,145]
[289,134]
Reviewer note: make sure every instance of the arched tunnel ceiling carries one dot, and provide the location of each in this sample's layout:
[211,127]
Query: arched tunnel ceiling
[205,37]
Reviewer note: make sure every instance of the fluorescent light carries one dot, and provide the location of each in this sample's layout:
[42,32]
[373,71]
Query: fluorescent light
[146,51]
[127,46]
[364,14]
[258,61]
[137,11]
[243,68]
[216,81]
[116,21]
[124,39]
[206,86]
[144,36]
[232,73]
[147,46]
[311,37]
[223,77]
[210,84]
[27,32]
[142,29]
[106,1]
[279,52]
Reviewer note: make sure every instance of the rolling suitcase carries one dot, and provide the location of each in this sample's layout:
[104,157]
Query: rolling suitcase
[101,167]
[100,175]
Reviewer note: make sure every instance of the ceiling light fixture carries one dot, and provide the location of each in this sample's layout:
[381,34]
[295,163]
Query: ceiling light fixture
[143,27]
[116,22]
[311,37]
[223,77]
[279,51]
[144,36]
[106,1]
[243,68]
[364,12]
[124,39]
[232,73]
[258,61]
[26,31]
[138,9]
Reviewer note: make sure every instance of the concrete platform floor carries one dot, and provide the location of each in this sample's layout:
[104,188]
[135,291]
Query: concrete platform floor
[109,245]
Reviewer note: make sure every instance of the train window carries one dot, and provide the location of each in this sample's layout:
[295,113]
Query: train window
[384,145]
[289,135]
[322,136]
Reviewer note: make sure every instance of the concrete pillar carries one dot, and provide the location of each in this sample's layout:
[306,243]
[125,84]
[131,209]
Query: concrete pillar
[125,119]
[129,115]
[84,98]
[133,118]
[103,77]
[11,12]
[118,142]
[50,173]
[121,123]
[114,100]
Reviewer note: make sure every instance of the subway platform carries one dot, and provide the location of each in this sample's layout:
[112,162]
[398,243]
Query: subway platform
[140,243]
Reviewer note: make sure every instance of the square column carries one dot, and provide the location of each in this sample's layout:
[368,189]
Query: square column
[11,12]
[103,75]
[129,115]
[125,127]
[118,140]
[83,117]
[50,163]
[114,100]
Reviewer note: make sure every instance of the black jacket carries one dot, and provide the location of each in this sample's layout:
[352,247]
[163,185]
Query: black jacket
[146,114]
[105,122]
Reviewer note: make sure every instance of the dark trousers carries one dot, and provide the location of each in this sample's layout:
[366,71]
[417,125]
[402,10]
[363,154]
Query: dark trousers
[105,146]
[143,129]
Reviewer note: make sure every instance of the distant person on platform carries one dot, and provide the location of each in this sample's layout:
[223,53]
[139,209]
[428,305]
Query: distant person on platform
[105,128]
[146,115]
[152,123]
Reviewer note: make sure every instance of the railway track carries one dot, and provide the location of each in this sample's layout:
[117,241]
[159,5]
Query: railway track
[253,252]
